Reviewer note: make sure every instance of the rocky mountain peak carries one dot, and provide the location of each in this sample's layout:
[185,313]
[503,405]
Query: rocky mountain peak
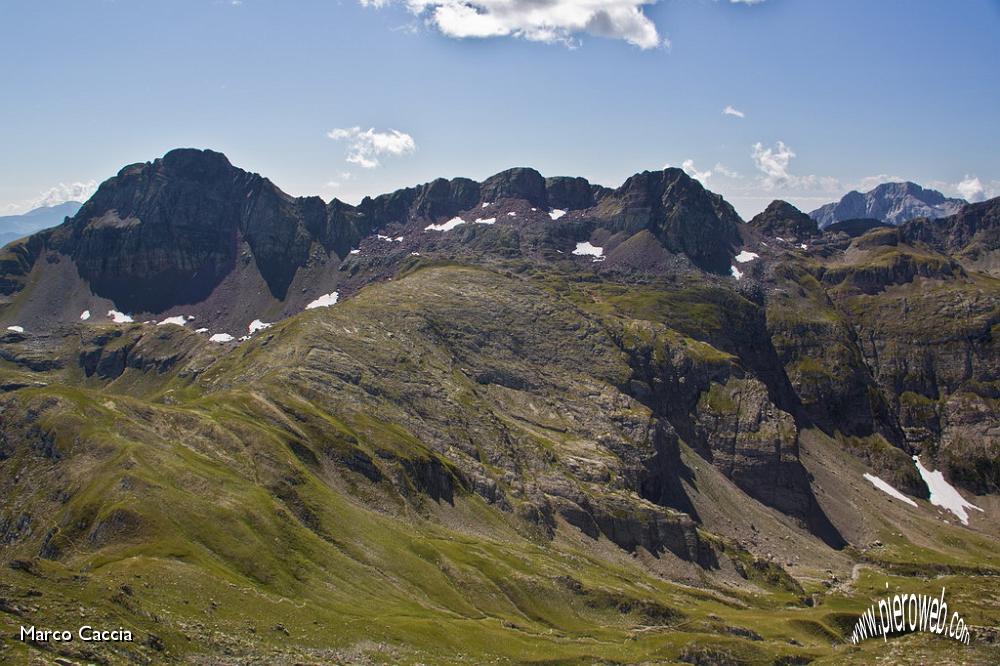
[194,163]
[910,189]
[516,183]
[680,212]
[781,218]
[892,203]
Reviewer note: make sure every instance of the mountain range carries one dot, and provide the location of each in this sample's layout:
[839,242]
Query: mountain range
[892,203]
[13,227]
[523,420]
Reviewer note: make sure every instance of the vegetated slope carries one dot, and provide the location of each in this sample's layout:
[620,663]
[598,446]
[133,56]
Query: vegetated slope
[499,449]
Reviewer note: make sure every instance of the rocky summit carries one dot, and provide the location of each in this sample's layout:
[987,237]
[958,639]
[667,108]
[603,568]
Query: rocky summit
[892,203]
[525,420]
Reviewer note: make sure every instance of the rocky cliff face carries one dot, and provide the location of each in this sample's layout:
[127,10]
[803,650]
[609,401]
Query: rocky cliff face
[191,235]
[893,203]
[679,212]
[167,232]
[783,220]
[972,235]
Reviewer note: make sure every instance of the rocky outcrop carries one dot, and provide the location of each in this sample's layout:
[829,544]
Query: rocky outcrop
[854,227]
[973,235]
[683,215]
[566,193]
[438,199]
[108,352]
[783,220]
[167,232]
[754,444]
[519,183]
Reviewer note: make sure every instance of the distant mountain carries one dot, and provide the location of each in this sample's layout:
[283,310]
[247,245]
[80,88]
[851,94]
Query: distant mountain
[13,227]
[783,220]
[893,203]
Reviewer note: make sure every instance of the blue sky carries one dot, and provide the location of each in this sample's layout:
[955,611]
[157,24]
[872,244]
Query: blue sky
[833,95]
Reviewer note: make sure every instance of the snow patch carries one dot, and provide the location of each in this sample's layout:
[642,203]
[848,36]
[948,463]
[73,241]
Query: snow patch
[888,490]
[201,330]
[804,246]
[737,273]
[487,220]
[511,214]
[119,317]
[85,315]
[486,205]
[355,251]
[324,301]
[258,325]
[780,238]
[178,321]
[445,226]
[943,494]
[744,256]
[221,337]
[16,329]
[414,254]
[556,213]
[585,249]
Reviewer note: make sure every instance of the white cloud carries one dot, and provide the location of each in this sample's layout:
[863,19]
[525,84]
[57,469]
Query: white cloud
[726,171]
[339,180]
[971,189]
[871,182]
[364,147]
[548,21]
[731,111]
[700,176]
[773,163]
[54,196]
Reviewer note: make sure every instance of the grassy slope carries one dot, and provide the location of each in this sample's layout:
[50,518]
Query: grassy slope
[215,515]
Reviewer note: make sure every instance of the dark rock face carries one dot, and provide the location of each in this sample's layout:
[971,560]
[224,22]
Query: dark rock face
[682,214]
[16,261]
[893,203]
[854,227]
[440,198]
[569,193]
[167,232]
[519,183]
[782,219]
[973,235]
